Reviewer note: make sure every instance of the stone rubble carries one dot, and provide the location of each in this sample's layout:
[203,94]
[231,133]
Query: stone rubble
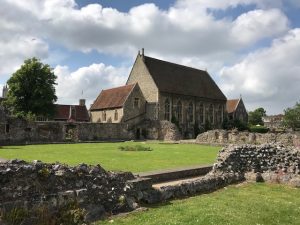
[223,137]
[268,162]
[99,192]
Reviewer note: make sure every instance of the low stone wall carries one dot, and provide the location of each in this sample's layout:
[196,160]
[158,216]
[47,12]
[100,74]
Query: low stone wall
[22,132]
[267,162]
[18,131]
[223,137]
[271,163]
[94,192]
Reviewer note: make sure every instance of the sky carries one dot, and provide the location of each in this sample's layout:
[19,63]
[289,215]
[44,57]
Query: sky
[249,47]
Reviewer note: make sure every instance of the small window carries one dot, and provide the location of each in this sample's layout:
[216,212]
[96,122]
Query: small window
[6,128]
[136,103]
[116,115]
[104,115]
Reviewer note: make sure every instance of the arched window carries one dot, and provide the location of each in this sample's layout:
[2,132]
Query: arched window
[220,114]
[116,115]
[104,115]
[191,112]
[179,111]
[201,113]
[167,109]
[211,113]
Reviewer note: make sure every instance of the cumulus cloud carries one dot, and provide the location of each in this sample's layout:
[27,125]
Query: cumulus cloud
[87,82]
[186,33]
[193,30]
[269,76]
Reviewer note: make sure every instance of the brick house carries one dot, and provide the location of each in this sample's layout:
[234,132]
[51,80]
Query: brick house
[121,104]
[236,110]
[71,113]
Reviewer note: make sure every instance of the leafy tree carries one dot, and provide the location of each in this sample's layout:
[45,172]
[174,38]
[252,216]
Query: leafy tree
[31,90]
[255,117]
[292,117]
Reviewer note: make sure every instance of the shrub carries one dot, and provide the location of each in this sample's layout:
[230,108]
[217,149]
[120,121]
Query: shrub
[259,129]
[134,148]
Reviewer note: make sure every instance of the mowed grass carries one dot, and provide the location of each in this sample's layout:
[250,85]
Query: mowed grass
[251,204]
[163,156]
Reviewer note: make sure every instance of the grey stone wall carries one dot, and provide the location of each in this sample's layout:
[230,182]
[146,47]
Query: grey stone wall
[268,162]
[21,131]
[32,186]
[224,137]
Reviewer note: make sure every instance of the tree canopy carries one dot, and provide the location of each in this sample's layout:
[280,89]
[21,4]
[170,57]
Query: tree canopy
[255,117]
[32,90]
[291,117]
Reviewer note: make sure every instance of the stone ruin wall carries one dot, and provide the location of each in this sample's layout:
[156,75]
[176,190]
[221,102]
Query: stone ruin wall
[23,132]
[30,186]
[269,162]
[100,193]
[223,137]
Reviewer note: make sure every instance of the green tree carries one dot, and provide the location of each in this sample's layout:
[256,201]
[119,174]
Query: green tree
[255,117]
[32,90]
[292,117]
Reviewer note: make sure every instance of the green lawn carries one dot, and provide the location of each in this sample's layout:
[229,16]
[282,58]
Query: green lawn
[110,157]
[251,204]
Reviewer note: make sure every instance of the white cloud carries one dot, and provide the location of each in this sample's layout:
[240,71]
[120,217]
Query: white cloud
[258,24]
[269,76]
[187,25]
[185,33]
[89,80]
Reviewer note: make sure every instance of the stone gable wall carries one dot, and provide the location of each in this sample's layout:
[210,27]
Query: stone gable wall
[140,74]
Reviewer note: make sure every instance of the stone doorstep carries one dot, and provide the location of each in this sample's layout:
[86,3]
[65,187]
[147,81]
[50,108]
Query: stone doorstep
[175,174]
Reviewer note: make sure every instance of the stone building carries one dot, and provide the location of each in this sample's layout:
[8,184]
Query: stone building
[236,110]
[186,96]
[273,121]
[121,104]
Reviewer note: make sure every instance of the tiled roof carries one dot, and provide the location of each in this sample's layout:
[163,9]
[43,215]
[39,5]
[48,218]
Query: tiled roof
[64,112]
[179,79]
[112,98]
[231,105]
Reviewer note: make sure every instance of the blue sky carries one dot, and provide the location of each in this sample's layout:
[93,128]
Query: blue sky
[250,47]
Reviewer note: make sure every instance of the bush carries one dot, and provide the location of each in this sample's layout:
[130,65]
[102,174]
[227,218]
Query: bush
[259,129]
[135,148]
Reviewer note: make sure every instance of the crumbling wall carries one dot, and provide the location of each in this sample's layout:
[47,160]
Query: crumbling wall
[29,186]
[159,130]
[271,163]
[22,132]
[223,137]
